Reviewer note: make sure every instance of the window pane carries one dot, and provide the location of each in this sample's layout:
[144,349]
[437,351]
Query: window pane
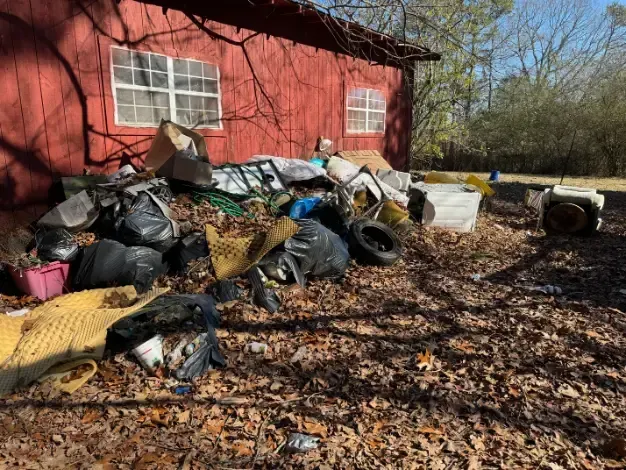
[195,83]
[358,92]
[124,96]
[210,104]
[195,68]
[357,103]
[210,71]
[183,118]
[356,115]
[180,66]
[123,75]
[126,113]
[376,95]
[158,62]
[142,98]
[181,82]
[160,113]
[159,80]
[195,118]
[161,99]
[378,105]
[209,118]
[379,117]
[142,77]
[121,57]
[377,126]
[210,86]
[141,60]
[196,102]
[144,115]
[182,101]
[356,126]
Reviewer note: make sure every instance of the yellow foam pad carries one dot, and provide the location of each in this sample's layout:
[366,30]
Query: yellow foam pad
[234,256]
[58,373]
[69,327]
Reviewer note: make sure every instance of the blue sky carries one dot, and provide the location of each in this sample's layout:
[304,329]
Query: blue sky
[603,3]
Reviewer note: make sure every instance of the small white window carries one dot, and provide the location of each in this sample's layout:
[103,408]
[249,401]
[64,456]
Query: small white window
[148,87]
[366,110]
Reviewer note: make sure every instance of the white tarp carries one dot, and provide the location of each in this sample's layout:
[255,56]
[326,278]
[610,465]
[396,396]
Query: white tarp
[292,169]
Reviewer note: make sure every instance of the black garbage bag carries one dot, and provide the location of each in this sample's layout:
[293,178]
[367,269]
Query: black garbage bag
[191,247]
[225,291]
[320,252]
[143,224]
[56,245]
[263,297]
[206,357]
[109,263]
[282,266]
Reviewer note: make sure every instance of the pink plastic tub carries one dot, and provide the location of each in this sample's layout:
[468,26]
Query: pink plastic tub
[43,282]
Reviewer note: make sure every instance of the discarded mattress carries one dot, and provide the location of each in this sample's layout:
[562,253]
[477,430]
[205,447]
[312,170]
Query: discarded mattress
[67,328]
[235,256]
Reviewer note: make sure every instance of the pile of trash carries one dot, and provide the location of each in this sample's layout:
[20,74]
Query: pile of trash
[99,253]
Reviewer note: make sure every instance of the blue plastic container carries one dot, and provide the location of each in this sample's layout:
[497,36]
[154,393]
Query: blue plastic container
[317,162]
[495,175]
[303,206]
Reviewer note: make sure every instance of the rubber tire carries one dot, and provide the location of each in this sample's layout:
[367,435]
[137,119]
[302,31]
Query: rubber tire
[365,253]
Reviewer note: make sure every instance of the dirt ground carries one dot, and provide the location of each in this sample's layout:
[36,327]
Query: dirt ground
[449,359]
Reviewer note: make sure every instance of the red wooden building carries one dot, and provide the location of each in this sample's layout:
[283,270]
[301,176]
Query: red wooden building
[85,83]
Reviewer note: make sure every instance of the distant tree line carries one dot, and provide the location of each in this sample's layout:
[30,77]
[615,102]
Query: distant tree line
[523,86]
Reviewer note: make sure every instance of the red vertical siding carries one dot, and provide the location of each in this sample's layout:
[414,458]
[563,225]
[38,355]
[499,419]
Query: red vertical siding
[56,114]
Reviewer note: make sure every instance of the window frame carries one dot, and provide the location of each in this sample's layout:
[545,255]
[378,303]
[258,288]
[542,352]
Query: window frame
[170,90]
[367,132]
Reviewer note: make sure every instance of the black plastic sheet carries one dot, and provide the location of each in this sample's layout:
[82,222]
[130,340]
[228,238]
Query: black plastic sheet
[56,245]
[109,263]
[282,266]
[205,358]
[191,247]
[143,224]
[320,252]
[263,297]
[226,291]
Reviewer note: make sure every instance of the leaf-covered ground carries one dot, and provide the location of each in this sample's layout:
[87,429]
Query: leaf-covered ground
[448,359]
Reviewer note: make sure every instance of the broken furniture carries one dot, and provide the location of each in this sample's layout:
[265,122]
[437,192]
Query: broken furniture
[571,210]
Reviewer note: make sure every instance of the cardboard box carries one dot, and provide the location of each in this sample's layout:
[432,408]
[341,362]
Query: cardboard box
[372,158]
[167,155]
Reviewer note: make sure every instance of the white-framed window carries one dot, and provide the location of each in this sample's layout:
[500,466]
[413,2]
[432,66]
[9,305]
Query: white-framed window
[148,87]
[366,110]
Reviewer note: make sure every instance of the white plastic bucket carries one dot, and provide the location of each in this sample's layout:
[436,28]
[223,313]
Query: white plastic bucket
[150,353]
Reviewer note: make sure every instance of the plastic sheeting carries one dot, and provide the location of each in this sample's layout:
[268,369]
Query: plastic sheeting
[342,170]
[319,251]
[191,247]
[302,207]
[109,263]
[263,297]
[56,245]
[144,224]
[282,266]
[205,358]
[292,169]
[226,291]
[76,214]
